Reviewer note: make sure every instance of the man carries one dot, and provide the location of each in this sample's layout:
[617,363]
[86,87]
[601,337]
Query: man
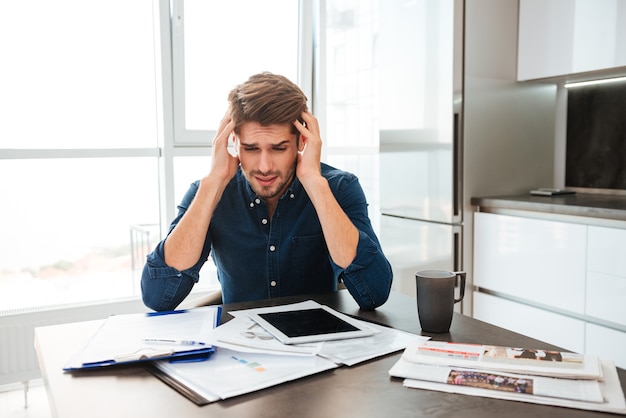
[276,221]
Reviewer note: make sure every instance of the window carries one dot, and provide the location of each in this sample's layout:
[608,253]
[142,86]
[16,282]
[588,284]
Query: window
[79,150]
[96,162]
[77,74]
[350,108]
[219,44]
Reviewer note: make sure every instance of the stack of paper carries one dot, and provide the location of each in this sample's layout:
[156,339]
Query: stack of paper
[248,358]
[231,373]
[243,334]
[527,375]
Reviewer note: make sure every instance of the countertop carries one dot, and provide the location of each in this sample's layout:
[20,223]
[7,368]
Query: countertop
[590,205]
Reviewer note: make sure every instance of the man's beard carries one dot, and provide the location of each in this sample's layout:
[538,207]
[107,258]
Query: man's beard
[269,192]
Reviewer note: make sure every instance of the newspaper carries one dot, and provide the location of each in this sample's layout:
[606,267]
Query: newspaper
[526,361]
[581,390]
[569,393]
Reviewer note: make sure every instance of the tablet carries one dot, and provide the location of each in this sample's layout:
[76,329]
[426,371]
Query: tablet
[310,325]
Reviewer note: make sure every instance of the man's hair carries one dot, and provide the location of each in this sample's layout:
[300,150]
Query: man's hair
[268,99]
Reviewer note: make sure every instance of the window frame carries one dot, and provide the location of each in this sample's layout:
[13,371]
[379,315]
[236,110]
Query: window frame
[183,137]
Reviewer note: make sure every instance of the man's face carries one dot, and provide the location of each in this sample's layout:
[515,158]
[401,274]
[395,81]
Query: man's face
[268,156]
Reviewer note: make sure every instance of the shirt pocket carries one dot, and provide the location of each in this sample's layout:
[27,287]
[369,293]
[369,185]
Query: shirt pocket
[309,255]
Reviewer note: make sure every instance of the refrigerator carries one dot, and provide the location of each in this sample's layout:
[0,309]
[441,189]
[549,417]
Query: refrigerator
[420,60]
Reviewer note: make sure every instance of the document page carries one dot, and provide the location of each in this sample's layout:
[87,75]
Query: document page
[231,373]
[384,341]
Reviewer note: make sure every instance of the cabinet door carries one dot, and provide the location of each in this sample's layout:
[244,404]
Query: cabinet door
[559,37]
[606,343]
[552,328]
[606,274]
[536,260]
[606,250]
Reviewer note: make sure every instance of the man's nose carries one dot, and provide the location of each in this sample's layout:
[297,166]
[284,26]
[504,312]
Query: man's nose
[265,162]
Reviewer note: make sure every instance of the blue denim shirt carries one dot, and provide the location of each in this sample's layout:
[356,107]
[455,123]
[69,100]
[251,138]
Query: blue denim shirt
[258,258]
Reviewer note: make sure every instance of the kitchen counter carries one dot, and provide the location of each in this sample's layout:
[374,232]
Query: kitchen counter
[605,206]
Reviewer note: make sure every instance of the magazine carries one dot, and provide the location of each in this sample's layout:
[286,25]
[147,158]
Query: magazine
[526,361]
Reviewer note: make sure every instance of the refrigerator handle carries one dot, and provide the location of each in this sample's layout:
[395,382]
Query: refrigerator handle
[457,251]
[457,261]
[457,169]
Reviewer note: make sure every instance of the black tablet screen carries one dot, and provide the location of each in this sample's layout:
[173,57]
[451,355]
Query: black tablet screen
[307,322]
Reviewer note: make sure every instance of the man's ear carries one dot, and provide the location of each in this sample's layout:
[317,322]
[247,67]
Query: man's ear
[301,143]
[235,143]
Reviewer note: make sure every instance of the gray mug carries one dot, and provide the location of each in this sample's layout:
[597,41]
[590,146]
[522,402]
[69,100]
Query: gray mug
[435,298]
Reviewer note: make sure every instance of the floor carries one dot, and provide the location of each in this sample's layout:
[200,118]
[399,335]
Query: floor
[12,401]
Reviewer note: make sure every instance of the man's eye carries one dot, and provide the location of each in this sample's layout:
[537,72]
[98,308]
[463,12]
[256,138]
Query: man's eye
[249,149]
[279,148]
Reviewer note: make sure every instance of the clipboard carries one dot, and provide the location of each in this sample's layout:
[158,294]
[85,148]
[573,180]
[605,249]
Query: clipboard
[180,335]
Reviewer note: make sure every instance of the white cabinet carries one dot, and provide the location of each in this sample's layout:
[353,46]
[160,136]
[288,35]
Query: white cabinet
[533,259]
[606,274]
[559,37]
[560,282]
[531,321]
[606,343]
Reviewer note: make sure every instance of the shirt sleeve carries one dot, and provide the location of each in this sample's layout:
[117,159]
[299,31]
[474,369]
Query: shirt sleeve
[368,278]
[163,287]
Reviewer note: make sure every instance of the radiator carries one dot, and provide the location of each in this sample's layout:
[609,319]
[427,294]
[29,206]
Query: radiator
[18,360]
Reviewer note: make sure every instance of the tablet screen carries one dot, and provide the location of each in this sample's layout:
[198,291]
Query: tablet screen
[307,322]
[309,325]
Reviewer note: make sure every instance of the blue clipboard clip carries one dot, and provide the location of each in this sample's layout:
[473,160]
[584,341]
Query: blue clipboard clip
[147,354]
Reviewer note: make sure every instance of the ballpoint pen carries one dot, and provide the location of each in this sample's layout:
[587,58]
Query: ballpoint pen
[172,341]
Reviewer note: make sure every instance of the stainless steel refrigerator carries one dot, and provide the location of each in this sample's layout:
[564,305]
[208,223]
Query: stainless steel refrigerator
[420,57]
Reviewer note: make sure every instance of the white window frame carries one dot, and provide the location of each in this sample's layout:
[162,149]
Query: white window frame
[184,137]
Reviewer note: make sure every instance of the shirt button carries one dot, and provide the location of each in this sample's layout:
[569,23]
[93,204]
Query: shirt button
[273,283]
[257,201]
[264,221]
[251,204]
[272,248]
[292,196]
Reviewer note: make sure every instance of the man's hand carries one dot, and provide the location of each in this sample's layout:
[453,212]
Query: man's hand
[341,235]
[309,158]
[223,164]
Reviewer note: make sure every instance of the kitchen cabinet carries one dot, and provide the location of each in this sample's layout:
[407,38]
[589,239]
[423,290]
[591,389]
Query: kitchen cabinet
[606,274]
[559,281]
[560,37]
[529,320]
[533,259]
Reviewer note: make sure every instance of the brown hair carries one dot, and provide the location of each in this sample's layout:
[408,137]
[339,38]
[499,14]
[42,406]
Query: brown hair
[268,99]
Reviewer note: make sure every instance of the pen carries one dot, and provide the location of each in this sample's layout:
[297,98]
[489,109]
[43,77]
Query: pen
[171,341]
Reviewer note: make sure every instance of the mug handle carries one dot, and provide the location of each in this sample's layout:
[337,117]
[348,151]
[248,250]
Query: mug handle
[462,275]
